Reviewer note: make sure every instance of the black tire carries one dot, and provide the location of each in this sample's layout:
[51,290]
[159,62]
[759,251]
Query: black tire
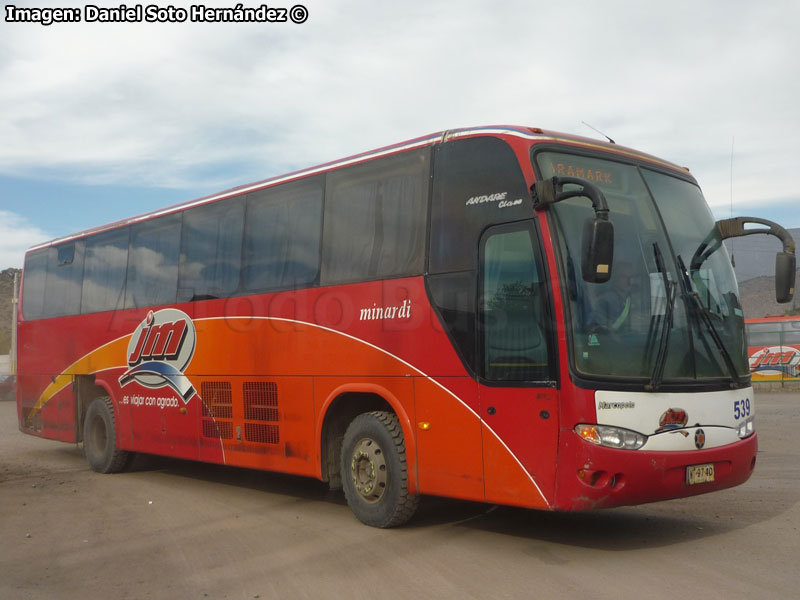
[375,471]
[100,438]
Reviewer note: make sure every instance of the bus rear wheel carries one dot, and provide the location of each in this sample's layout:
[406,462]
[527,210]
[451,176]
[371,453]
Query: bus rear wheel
[375,471]
[100,438]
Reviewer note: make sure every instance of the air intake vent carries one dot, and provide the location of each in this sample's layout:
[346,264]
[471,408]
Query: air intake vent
[261,401]
[217,409]
[222,430]
[261,412]
[261,433]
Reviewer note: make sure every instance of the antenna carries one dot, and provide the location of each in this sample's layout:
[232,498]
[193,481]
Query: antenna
[733,141]
[598,131]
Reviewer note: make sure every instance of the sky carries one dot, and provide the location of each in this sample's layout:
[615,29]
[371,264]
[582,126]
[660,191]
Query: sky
[101,121]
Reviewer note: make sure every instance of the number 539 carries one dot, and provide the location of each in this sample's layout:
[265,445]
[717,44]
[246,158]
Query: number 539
[741,409]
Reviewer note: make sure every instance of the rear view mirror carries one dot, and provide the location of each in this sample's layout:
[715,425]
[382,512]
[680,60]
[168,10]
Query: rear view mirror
[785,265]
[785,262]
[597,250]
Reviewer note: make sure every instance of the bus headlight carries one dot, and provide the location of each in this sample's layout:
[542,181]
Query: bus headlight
[611,437]
[746,428]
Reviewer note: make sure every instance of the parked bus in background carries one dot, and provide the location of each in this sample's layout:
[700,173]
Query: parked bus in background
[774,348]
[498,314]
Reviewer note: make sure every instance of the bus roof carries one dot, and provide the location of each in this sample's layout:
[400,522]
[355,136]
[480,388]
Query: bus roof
[532,133]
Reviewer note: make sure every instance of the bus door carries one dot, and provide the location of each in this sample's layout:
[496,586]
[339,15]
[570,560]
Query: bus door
[518,397]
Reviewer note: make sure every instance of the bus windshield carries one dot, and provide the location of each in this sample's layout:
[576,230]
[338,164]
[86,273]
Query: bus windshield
[671,309]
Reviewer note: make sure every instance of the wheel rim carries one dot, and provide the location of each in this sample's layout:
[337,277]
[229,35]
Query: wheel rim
[368,470]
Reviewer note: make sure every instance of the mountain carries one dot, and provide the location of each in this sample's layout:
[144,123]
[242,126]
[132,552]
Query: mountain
[754,255]
[6,293]
[758,298]
[754,264]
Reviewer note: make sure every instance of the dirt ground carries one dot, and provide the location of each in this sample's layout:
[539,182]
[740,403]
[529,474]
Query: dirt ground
[174,529]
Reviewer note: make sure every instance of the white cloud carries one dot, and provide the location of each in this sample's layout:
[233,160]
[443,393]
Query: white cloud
[16,236]
[188,105]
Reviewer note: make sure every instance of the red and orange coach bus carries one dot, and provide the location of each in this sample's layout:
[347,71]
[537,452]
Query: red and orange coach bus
[500,314]
[774,348]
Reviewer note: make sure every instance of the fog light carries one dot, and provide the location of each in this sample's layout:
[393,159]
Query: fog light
[746,428]
[611,437]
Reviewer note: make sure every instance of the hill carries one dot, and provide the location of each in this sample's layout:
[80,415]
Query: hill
[6,293]
[758,298]
[754,255]
[754,265]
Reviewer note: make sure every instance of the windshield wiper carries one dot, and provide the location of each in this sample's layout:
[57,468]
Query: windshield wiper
[666,324]
[704,316]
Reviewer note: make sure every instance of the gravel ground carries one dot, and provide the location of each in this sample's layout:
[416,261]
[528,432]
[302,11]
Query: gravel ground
[175,529]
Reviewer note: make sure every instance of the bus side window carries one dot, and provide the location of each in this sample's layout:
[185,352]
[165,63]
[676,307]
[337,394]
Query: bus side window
[513,308]
[211,252]
[477,182]
[33,284]
[763,334]
[375,217]
[791,333]
[153,262]
[105,271]
[282,236]
[62,291]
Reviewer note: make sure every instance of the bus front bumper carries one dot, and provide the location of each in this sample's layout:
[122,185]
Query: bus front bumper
[591,476]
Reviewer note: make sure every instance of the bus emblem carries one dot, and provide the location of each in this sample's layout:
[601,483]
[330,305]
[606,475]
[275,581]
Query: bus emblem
[673,418]
[699,439]
[161,348]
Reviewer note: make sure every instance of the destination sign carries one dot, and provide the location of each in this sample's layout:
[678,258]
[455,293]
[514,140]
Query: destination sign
[605,173]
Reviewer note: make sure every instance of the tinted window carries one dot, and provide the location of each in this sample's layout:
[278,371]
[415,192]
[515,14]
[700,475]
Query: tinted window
[763,334]
[282,236]
[453,294]
[791,332]
[62,291]
[514,318]
[212,251]
[763,327]
[477,182]
[35,275]
[104,273]
[153,262]
[375,216]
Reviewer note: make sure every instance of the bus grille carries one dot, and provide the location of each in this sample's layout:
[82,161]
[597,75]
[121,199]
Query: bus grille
[261,412]
[217,409]
[260,403]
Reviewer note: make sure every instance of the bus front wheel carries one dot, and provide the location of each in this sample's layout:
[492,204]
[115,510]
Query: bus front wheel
[375,471]
[100,438]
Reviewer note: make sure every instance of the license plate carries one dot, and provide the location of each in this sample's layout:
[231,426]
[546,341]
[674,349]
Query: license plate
[699,474]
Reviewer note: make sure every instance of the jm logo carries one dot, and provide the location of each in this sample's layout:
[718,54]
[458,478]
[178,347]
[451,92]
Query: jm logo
[161,348]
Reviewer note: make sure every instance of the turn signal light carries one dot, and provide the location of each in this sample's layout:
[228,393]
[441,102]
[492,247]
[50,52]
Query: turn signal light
[746,428]
[611,437]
